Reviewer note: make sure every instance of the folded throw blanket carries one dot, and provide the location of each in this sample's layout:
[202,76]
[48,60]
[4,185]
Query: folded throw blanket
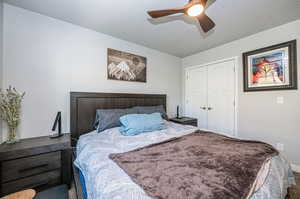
[201,165]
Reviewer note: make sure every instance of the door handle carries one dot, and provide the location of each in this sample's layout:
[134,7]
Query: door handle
[203,108]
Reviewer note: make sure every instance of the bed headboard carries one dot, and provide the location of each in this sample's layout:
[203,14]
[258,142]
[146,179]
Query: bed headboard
[84,105]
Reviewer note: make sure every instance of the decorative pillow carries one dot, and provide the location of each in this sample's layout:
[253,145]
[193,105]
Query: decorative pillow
[110,118]
[152,109]
[134,124]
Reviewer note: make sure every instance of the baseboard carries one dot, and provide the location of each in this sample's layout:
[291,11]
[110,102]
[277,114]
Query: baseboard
[296,168]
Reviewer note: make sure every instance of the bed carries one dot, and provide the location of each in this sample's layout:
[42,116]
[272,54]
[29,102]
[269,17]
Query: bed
[96,176]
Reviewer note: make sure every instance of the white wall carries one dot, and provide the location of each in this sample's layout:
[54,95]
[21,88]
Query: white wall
[48,58]
[260,117]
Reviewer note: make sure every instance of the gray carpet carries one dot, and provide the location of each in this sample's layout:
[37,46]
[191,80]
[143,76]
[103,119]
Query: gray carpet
[58,192]
[294,192]
[72,192]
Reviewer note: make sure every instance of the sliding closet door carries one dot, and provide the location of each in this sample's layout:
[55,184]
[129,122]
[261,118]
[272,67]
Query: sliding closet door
[196,95]
[221,97]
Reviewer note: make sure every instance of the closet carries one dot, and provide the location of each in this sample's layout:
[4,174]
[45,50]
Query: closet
[210,96]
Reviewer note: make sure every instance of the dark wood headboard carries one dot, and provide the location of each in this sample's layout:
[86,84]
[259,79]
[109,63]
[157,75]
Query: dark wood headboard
[84,105]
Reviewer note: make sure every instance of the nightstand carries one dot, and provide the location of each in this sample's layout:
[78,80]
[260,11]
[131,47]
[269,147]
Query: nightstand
[185,121]
[35,163]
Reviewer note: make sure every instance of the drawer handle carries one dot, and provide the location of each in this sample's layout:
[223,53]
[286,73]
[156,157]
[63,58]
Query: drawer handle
[32,168]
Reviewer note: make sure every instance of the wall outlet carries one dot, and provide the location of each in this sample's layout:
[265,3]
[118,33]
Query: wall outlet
[280,147]
[280,100]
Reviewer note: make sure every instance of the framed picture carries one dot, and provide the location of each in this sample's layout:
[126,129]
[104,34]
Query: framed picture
[125,66]
[271,68]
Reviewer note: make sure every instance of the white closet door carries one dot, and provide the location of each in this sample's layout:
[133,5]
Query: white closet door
[196,95]
[221,96]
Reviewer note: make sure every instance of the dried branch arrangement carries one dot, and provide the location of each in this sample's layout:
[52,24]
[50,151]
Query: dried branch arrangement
[10,109]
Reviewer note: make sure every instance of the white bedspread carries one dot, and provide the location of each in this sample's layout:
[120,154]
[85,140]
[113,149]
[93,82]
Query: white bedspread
[105,180]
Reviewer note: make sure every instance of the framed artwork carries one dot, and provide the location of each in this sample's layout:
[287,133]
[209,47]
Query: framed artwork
[124,66]
[271,68]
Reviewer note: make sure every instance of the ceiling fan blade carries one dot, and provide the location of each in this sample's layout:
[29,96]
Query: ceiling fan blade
[205,22]
[163,13]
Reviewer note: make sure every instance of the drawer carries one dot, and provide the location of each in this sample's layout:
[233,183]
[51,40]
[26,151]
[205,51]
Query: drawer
[37,182]
[28,166]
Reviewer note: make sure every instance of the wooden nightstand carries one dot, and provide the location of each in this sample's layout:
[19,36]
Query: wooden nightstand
[35,163]
[185,121]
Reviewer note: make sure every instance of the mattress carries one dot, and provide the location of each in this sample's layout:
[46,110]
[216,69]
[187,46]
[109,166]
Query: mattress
[103,179]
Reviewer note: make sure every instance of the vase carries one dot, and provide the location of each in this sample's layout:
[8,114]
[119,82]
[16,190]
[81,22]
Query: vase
[12,136]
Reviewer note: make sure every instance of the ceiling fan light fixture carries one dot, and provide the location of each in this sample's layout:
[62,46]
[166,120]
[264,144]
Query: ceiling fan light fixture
[195,10]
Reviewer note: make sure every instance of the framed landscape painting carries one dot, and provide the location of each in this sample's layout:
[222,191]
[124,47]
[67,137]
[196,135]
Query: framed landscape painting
[271,68]
[124,66]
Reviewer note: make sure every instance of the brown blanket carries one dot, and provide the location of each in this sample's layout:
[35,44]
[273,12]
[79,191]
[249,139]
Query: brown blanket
[201,165]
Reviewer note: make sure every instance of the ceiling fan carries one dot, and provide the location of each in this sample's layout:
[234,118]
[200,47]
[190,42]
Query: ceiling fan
[194,8]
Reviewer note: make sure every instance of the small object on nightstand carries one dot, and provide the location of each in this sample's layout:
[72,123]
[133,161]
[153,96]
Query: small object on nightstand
[185,121]
[177,115]
[35,163]
[57,122]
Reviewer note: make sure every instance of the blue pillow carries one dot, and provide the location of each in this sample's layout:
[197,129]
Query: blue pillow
[134,124]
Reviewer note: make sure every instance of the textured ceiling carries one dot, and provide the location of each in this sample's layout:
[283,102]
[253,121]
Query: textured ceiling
[177,35]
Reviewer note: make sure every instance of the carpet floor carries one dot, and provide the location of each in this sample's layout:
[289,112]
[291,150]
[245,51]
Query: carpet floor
[294,192]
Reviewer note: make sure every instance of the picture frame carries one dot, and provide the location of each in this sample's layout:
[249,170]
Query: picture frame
[124,66]
[271,68]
